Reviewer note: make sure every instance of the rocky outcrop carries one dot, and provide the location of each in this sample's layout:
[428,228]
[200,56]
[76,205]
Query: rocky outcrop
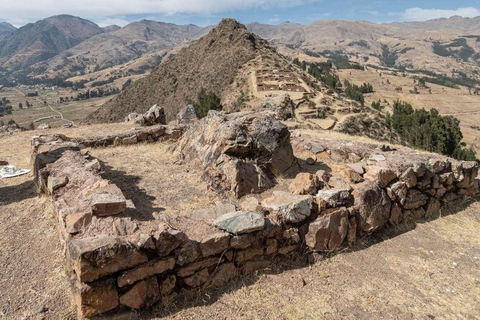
[241,152]
[154,115]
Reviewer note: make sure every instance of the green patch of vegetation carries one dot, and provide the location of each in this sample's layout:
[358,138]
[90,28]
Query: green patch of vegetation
[322,72]
[388,58]
[354,92]
[206,101]
[377,105]
[103,82]
[360,43]
[5,107]
[430,131]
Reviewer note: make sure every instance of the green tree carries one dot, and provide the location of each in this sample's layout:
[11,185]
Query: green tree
[206,101]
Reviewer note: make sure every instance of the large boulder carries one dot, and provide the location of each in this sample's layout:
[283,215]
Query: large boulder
[328,231]
[242,152]
[187,114]
[372,205]
[154,115]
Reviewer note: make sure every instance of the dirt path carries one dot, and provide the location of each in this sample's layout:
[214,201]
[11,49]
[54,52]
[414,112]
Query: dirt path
[56,111]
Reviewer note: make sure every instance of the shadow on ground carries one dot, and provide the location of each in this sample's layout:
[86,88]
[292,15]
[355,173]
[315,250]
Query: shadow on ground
[129,184]
[17,193]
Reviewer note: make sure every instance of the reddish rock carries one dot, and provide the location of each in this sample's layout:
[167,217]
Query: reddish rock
[304,183]
[271,247]
[76,222]
[396,214]
[142,295]
[223,274]
[202,264]
[352,231]
[252,266]
[372,205]
[109,203]
[95,298]
[329,231]
[380,176]
[409,178]
[214,244]
[288,207]
[433,208]
[415,199]
[197,279]
[168,239]
[242,241]
[242,256]
[167,285]
[93,258]
[146,270]
[187,253]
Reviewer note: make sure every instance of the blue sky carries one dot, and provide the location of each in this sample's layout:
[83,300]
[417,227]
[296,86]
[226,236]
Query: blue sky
[207,12]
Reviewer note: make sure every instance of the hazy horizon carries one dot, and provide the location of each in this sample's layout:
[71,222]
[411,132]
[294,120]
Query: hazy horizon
[210,12]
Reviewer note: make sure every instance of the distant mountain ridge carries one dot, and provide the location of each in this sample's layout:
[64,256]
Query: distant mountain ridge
[113,48]
[6,29]
[44,39]
[213,63]
[65,46]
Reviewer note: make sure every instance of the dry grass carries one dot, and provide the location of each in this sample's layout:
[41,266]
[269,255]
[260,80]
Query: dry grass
[430,272]
[448,101]
[147,175]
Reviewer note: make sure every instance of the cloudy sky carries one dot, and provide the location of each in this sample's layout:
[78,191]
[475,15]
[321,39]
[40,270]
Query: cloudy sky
[206,12]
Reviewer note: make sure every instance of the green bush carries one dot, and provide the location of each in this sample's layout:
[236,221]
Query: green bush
[206,101]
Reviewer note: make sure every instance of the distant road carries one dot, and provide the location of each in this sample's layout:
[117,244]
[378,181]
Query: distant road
[56,111]
[48,104]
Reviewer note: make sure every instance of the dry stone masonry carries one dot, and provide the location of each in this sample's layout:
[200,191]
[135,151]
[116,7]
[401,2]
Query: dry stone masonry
[119,263]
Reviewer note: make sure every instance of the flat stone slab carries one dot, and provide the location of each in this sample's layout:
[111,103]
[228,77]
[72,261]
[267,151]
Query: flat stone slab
[240,222]
[107,204]
[291,208]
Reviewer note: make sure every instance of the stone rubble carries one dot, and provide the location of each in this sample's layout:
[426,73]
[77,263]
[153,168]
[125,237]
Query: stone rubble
[322,212]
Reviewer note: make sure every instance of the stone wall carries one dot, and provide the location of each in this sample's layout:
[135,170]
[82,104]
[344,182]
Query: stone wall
[146,262]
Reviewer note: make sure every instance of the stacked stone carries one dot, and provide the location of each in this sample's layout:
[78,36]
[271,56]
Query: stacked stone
[146,265]
[149,134]
[379,195]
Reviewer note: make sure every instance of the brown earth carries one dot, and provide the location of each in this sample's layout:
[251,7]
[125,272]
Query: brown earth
[212,62]
[427,271]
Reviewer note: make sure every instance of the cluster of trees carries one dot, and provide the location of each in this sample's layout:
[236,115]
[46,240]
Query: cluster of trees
[206,101]
[430,131]
[377,105]
[96,93]
[103,82]
[322,71]
[5,107]
[27,105]
[355,92]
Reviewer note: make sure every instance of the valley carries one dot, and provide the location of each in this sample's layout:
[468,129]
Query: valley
[327,170]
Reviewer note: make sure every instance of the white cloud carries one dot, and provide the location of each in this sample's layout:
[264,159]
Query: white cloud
[419,14]
[112,21]
[30,10]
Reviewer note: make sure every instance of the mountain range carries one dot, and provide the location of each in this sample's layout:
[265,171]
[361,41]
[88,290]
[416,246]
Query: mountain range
[213,63]
[65,46]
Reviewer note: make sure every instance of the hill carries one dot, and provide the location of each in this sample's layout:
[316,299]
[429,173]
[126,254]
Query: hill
[44,39]
[111,28]
[6,29]
[117,47]
[438,46]
[213,63]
